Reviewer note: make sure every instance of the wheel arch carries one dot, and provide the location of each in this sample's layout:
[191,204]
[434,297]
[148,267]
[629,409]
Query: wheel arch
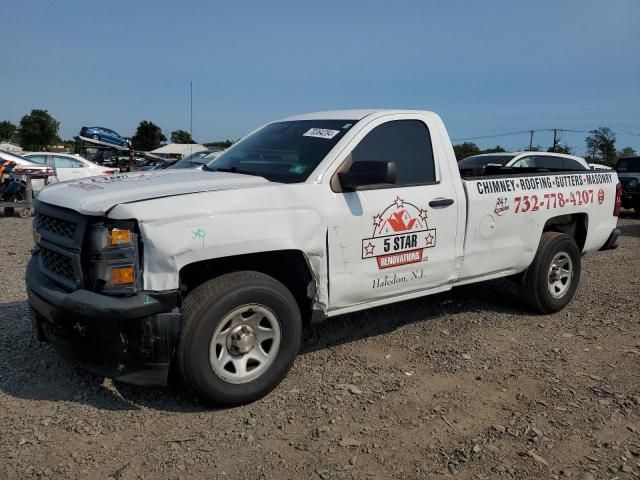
[292,268]
[576,225]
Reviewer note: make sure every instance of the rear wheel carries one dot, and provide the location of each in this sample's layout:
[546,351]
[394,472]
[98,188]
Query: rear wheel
[551,280]
[240,335]
[9,211]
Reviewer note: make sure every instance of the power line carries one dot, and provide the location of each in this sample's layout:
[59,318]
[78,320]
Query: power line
[481,137]
[589,131]
[531,132]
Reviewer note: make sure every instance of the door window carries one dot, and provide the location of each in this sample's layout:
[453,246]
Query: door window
[569,164]
[405,142]
[547,161]
[524,162]
[66,162]
[39,159]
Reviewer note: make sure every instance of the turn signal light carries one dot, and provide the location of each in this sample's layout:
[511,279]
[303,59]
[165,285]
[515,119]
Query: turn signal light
[119,237]
[123,276]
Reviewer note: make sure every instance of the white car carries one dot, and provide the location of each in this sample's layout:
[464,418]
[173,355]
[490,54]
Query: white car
[552,161]
[68,167]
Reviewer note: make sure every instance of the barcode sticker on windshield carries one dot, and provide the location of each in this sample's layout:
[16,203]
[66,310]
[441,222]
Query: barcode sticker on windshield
[321,133]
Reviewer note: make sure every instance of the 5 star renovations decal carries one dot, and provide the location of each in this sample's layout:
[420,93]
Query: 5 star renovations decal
[400,235]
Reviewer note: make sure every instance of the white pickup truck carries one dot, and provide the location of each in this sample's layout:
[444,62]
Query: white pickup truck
[215,272]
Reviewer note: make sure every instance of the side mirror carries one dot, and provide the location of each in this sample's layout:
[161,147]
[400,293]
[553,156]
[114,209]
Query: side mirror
[367,173]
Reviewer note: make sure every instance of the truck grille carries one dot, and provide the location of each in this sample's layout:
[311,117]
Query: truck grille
[54,225]
[61,235]
[58,264]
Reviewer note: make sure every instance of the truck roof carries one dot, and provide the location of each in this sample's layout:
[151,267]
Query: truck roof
[356,114]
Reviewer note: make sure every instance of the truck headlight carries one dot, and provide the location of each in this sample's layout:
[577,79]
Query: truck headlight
[114,261]
[633,183]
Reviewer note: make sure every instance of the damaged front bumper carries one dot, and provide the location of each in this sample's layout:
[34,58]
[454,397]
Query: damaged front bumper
[130,339]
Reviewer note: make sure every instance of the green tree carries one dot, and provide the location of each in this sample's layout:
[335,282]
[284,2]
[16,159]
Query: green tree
[626,152]
[601,145]
[7,131]
[496,149]
[148,136]
[220,144]
[180,136]
[466,149]
[561,149]
[38,130]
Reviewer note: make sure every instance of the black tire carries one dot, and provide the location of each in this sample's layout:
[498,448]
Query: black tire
[9,211]
[204,310]
[535,282]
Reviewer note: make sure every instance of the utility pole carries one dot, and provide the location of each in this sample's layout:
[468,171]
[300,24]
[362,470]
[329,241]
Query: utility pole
[555,136]
[530,139]
[191,114]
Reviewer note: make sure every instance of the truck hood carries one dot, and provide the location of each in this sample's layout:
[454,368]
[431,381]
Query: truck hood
[97,195]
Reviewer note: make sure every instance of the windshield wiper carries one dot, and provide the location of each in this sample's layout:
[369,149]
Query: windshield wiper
[233,170]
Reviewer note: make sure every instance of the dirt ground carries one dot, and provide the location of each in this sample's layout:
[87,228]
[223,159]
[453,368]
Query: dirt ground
[465,384]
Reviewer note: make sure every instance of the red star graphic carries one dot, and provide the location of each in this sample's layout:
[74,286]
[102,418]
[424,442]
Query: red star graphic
[368,249]
[399,202]
[429,239]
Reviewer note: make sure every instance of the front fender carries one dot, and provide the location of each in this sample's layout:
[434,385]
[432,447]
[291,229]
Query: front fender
[181,230]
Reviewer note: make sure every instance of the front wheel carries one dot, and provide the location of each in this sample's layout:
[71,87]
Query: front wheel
[240,335]
[551,280]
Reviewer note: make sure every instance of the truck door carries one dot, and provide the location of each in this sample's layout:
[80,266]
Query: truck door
[391,240]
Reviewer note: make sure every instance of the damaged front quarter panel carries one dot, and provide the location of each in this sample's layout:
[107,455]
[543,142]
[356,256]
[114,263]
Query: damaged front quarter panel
[182,230]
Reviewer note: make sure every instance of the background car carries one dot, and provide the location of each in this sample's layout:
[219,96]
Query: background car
[628,170]
[160,165]
[13,181]
[24,164]
[67,166]
[197,160]
[104,135]
[541,160]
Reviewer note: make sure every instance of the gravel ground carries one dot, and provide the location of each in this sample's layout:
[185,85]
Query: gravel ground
[464,384]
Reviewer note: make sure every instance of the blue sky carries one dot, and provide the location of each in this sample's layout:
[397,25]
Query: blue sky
[485,66]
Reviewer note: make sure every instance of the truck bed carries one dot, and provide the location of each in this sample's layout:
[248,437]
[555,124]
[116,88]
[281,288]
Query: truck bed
[507,213]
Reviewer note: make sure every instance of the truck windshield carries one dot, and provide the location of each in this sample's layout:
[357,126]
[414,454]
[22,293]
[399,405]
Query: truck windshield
[483,160]
[628,165]
[285,152]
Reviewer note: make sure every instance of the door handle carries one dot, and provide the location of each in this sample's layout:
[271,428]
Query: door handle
[441,202]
